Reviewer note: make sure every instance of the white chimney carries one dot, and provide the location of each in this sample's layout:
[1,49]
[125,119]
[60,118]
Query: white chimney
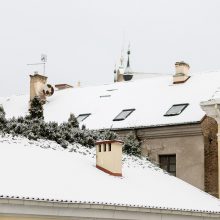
[109,156]
[182,72]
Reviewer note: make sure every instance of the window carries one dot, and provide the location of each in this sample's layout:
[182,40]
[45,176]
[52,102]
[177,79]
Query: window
[168,163]
[100,147]
[104,147]
[109,147]
[111,90]
[105,96]
[82,117]
[176,109]
[123,115]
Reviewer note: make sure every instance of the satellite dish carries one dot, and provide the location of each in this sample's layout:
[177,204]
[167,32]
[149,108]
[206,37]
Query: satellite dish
[48,90]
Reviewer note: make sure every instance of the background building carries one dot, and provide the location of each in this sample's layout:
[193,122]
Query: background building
[163,111]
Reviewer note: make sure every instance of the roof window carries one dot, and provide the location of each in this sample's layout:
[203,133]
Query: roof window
[123,115]
[111,90]
[105,96]
[82,117]
[176,109]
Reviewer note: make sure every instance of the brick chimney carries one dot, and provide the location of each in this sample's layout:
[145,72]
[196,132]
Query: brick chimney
[109,156]
[182,72]
[37,84]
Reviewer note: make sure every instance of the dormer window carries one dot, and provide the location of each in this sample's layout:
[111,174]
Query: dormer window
[82,117]
[176,109]
[123,115]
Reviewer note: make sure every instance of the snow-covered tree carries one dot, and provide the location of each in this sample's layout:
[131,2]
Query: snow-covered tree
[73,121]
[131,145]
[36,108]
[2,118]
[108,135]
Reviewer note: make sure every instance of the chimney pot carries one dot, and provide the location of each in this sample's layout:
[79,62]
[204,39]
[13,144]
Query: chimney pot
[182,72]
[37,84]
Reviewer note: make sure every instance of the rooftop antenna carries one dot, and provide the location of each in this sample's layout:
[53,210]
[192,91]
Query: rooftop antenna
[43,62]
[122,50]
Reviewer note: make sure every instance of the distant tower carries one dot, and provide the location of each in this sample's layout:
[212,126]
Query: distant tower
[128,72]
[115,74]
[120,71]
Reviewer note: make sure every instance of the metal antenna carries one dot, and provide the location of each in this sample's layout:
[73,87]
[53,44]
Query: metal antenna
[44,60]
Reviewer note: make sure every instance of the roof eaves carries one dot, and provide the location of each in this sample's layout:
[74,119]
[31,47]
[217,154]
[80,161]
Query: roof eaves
[152,126]
[104,205]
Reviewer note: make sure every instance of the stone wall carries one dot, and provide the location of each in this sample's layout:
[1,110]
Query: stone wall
[210,127]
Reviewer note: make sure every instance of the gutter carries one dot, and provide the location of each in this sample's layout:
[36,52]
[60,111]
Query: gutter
[41,207]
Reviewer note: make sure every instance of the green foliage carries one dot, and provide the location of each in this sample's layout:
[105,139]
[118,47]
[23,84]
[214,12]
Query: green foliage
[132,145]
[108,135]
[34,127]
[36,108]
[2,117]
[73,121]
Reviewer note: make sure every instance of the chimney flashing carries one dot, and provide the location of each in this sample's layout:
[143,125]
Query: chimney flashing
[107,171]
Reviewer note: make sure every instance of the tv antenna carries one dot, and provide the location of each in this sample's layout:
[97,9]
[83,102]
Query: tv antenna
[43,62]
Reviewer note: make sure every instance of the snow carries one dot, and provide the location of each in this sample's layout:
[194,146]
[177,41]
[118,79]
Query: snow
[42,169]
[151,97]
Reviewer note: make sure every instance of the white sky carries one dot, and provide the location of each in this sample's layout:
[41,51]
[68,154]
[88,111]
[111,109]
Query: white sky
[83,38]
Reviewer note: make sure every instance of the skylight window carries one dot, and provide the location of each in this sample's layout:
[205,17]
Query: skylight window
[82,117]
[111,90]
[105,96]
[176,109]
[123,115]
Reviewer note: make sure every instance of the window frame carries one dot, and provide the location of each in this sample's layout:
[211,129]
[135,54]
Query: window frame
[86,116]
[178,113]
[121,119]
[168,164]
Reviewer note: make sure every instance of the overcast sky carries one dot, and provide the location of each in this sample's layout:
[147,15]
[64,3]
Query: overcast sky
[83,38]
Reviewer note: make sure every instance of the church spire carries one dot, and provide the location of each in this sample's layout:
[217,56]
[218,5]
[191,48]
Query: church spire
[128,72]
[128,67]
[128,52]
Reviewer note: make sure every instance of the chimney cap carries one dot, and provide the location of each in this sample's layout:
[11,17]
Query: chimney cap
[182,63]
[39,75]
[108,141]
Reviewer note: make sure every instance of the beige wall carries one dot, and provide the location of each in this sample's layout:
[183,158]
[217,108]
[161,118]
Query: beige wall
[110,160]
[189,156]
[186,141]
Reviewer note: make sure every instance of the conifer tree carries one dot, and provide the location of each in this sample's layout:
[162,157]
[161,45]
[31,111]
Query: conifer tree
[36,108]
[2,117]
[72,121]
[131,145]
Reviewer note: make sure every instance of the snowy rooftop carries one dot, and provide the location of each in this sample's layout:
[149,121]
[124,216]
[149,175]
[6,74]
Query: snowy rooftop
[42,170]
[151,98]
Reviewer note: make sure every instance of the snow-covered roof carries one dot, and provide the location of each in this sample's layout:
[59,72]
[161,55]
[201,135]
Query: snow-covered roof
[151,98]
[43,171]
